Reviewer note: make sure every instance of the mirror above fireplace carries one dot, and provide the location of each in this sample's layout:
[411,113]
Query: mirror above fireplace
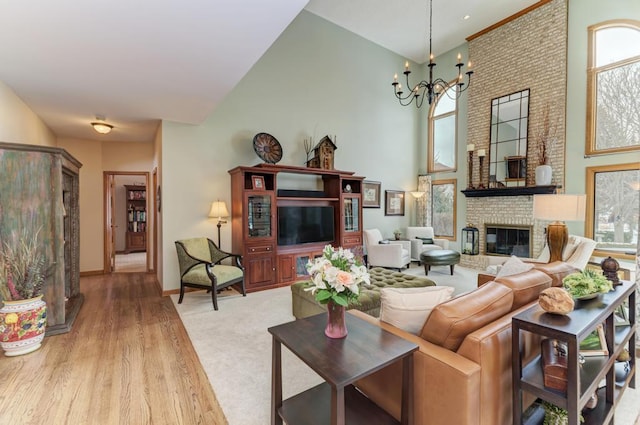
[508,143]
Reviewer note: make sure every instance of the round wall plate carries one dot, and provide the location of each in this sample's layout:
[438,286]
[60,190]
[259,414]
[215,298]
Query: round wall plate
[267,148]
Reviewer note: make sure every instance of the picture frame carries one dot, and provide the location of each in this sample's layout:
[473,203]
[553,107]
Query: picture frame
[393,202]
[257,183]
[371,194]
[595,343]
[621,316]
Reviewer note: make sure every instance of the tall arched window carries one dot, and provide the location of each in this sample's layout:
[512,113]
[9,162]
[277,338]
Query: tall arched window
[613,87]
[443,117]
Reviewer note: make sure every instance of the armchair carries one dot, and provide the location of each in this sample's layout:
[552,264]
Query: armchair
[577,254]
[418,245]
[201,268]
[394,254]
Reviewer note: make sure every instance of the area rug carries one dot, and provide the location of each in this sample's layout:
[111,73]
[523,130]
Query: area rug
[234,347]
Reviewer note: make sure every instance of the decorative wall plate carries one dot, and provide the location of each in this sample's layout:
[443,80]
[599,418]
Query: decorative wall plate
[267,148]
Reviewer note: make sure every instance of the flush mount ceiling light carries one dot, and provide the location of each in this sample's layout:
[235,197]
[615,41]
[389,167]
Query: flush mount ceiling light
[101,127]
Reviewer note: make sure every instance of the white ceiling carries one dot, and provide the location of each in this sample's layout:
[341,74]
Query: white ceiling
[138,62]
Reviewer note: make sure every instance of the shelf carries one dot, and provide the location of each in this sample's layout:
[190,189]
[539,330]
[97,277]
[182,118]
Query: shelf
[510,191]
[313,407]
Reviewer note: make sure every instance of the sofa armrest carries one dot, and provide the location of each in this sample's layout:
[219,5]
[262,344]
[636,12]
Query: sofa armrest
[445,384]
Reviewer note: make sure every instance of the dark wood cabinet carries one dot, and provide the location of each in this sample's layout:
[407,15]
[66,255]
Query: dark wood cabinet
[272,257]
[136,236]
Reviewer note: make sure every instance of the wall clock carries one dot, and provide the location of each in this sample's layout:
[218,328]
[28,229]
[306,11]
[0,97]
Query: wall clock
[267,148]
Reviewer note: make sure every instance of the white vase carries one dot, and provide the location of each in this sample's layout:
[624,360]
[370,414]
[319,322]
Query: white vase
[543,175]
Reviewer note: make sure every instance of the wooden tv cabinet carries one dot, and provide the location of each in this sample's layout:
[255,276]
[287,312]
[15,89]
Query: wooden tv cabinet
[256,194]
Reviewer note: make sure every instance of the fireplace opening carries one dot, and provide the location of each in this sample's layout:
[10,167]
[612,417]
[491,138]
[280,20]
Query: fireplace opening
[508,240]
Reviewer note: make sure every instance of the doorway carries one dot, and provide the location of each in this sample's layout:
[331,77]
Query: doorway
[127,225]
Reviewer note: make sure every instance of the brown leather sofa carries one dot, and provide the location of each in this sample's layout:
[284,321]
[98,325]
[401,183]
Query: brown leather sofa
[462,369]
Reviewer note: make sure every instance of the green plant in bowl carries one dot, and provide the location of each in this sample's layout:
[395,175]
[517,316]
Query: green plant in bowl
[586,284]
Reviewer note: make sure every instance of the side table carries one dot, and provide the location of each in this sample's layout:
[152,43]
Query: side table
[340,362]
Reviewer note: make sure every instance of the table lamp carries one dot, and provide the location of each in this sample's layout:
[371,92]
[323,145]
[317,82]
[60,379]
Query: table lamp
[219,210]
[558,208]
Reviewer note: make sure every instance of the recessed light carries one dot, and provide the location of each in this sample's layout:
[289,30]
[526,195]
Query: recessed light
[465,17]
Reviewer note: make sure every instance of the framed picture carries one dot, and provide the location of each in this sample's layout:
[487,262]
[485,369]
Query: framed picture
[393,202]
[594,344]
[257,182]
[621,316]
[370,194]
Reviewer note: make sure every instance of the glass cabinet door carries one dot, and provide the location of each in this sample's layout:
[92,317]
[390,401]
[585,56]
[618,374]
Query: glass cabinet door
[351,217]
[259,215]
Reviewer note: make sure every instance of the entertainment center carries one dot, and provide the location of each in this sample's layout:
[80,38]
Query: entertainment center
[282,216]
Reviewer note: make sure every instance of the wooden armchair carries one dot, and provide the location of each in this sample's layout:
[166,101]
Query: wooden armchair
[201,268]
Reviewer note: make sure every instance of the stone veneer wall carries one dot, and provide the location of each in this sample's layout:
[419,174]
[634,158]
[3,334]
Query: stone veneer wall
[527,52]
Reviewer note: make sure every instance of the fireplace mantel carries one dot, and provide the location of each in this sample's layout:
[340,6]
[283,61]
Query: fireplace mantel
[510,191]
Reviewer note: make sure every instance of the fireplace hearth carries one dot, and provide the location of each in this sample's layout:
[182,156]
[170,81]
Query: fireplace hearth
[507,240]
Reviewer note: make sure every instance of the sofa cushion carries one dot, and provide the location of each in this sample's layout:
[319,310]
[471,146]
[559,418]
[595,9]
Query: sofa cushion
[451,321]
[512,266]
[428,241]
[525,286]
[556,270]
[408,308]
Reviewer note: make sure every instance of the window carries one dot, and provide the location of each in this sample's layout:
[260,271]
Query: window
[443,208]
[442,132]
[613,93]
[613,199]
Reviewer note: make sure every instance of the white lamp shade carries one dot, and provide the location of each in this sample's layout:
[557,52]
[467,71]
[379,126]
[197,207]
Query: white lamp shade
[417,194]
[218,209]
[559,207]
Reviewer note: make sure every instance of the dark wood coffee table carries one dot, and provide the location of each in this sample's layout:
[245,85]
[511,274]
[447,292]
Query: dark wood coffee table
[340,362]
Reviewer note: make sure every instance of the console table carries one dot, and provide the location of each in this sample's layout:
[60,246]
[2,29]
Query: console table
[340,362]
[583,380]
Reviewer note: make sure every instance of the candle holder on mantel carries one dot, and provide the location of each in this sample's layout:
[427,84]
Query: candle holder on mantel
[470,148]
[481,155]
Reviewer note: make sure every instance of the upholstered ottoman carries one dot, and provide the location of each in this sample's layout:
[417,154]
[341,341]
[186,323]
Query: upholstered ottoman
[304,304]
[439,257]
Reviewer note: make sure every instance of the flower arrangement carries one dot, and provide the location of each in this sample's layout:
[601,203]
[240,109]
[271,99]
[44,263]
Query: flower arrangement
[586,283]
[22,266]
[336,276]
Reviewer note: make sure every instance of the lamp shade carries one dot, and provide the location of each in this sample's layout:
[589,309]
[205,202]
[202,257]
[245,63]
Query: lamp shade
[559,207]
[417,194]
[218,209]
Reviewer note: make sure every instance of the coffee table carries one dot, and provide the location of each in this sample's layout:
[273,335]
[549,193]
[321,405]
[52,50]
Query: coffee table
[340,362]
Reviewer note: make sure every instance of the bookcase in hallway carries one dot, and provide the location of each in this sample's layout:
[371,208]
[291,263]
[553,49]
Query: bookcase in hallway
[136,238]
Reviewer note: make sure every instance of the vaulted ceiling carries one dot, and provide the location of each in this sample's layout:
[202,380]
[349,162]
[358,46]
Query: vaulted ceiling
[137,63]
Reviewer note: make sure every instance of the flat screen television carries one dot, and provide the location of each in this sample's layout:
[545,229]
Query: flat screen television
[305,224]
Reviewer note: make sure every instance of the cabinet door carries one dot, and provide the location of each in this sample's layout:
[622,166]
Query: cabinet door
[351,214]
[286,269]
[259,216]
[260,270]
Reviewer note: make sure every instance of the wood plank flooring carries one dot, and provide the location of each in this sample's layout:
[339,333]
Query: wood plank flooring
[127,360]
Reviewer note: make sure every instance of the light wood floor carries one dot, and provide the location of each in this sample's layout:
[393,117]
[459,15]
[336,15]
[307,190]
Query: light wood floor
[128,360]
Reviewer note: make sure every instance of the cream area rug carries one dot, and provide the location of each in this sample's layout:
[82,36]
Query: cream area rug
[234,347]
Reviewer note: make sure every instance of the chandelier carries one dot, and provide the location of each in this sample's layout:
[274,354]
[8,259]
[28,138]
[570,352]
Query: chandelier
[433,88]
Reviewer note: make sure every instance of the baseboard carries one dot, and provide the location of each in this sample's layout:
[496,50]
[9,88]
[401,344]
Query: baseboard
[91,273]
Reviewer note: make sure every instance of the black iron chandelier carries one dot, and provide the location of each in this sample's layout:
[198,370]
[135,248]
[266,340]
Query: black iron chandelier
[433,88]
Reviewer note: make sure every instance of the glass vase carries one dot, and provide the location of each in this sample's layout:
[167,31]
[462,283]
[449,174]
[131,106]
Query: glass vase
[336,325]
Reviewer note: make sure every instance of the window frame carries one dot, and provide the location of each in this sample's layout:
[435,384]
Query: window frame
[592,74]
[431,124]
[442,182]
[589,223]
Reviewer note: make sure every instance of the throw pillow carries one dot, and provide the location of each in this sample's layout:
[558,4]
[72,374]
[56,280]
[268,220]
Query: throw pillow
[570,248]
[512,266]
[425,240]
[384,242]
[409,308]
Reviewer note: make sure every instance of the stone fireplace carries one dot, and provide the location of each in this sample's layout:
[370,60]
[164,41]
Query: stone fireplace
[513,213]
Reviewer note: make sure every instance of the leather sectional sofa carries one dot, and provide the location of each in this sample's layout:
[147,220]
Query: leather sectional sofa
[462,370]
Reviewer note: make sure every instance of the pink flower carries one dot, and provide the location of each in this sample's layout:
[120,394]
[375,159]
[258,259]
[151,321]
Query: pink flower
[344,278]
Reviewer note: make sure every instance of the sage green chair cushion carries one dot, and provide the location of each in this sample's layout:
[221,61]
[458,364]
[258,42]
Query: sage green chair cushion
[198,247]
[304,303]
[223,273]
